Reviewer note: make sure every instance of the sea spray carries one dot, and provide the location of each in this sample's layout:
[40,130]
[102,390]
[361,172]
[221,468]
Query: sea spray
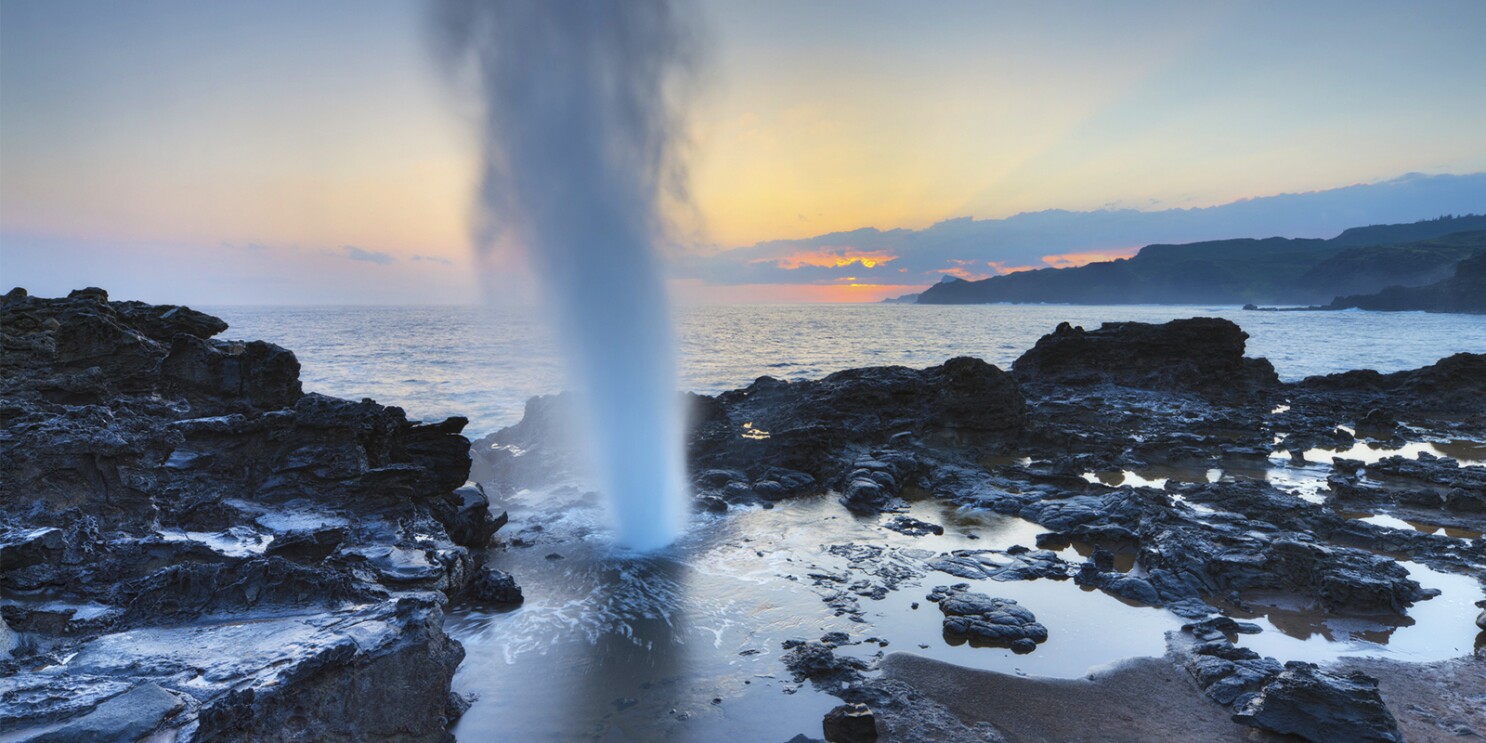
[580,128]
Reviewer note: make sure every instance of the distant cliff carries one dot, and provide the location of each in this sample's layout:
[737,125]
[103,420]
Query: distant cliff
[1463,292]
[1266,271]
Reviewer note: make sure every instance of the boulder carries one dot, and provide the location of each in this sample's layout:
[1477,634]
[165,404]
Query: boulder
[850,723]
[1201,355]
[1321,707]
[992,621]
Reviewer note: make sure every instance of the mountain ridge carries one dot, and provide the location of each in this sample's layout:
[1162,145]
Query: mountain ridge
[1274,270]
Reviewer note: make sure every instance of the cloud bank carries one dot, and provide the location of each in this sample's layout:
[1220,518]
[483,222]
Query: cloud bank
[977,248]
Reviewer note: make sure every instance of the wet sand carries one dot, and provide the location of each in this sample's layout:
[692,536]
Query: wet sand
[1443,701]
[1145,699]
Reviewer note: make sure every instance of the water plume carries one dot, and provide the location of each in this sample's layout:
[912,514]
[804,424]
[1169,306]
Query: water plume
[580,127]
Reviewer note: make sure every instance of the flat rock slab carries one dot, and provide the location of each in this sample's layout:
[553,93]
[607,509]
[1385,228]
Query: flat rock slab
[1146,699]
[242,676]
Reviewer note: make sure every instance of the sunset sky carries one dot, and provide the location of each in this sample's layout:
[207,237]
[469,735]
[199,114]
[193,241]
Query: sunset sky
[274,152]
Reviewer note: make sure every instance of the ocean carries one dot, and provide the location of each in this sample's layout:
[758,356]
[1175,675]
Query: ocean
[484,363]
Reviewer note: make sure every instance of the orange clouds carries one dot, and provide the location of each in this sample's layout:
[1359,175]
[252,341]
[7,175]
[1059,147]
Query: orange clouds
[1073,260]
[960,272]
[691,291]
[1002,269]
[831,258]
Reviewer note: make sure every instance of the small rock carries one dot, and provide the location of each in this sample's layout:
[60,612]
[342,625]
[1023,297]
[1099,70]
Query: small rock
[495,587]
[850,723]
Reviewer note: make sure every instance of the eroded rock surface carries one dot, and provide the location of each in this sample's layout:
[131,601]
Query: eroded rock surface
[191,545]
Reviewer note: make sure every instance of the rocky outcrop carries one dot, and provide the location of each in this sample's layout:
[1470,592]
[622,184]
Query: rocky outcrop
[1201,355]
[1452,388]
[991,621]
[173,502]
[1321,707]
[1273,270]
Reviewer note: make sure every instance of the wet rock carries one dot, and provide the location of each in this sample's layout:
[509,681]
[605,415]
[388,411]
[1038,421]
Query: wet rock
[1012,564]
[493,586]
[1131,588]
[1378,423]
[850,723]
[978,617]
[1481,618]
[1191,608]
[128,716]
[1321,707]
[282,676]
[1452,388]
[819,663]
[309,546]
[1229,674]
[187,505]
[912,526]
[865,495]
[1219,627]
[818,427]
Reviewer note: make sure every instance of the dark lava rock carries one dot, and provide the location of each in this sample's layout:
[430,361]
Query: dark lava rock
[1215,628]
[1200,354]
[810,427]
[912,526]
[850,723]
[819,663]
[493,586]
[1452,388]
[1229,674]
[993,621]
[1321,707]
[173,501]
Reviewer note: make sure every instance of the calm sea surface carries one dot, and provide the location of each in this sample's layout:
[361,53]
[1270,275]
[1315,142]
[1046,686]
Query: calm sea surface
[485,363]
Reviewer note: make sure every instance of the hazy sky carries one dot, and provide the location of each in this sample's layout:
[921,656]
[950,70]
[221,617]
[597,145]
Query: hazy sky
[311,151]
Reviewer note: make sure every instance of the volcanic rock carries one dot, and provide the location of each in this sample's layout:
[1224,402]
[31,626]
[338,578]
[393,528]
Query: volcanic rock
[173,502]
[1321,707]
[993,621]
[850,723]
[1203,355]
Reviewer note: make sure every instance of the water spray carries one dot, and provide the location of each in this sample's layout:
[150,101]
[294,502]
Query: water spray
[579,130]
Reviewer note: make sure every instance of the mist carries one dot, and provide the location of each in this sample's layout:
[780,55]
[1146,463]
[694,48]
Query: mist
[580,121]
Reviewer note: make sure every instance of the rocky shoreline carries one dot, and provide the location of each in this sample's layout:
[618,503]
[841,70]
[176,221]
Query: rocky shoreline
[194,547]
[1049,442]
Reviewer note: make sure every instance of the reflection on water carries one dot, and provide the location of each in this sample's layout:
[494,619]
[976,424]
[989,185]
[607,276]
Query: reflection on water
[1304,479]
[1437,628]
[1394,522]
[686,645]
[1368,452]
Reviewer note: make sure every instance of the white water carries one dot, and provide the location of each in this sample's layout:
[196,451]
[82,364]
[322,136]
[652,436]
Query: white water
[577,131]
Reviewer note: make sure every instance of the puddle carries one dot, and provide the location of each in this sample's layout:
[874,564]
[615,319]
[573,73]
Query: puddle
[1435,629]
[1465,452]
[1394,522]
[1155,476]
